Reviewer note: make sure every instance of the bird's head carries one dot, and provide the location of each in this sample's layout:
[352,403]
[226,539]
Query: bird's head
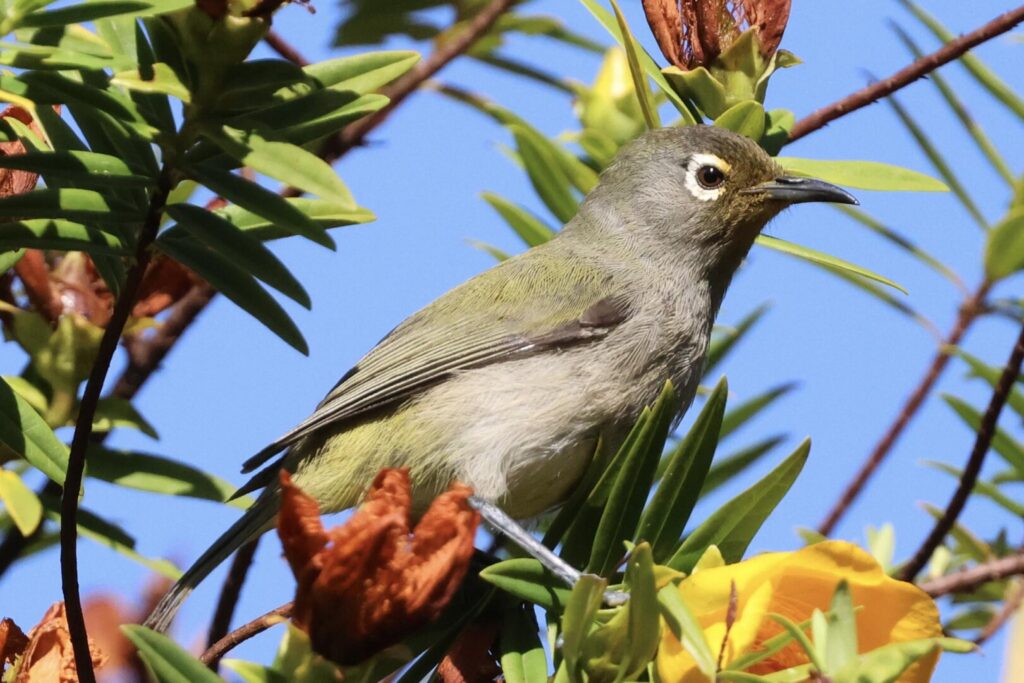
[701,186]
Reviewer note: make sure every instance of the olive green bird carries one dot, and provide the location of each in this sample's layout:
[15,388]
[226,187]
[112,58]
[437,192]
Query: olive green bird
[507,381]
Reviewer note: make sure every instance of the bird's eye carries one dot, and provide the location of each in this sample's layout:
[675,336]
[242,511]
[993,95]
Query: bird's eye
[710,177]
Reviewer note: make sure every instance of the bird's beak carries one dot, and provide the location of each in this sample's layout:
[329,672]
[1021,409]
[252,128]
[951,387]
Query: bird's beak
[797,190]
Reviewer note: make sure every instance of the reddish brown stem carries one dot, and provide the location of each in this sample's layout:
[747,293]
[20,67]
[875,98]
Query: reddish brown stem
[986,430]
[906,75]
[215,652]
[1010,606]
[83,429]
[971,308]
[231,591]
[284,48]
[967,580]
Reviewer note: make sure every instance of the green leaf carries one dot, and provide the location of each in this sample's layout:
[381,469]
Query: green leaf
[744,412]
[746,118]
[82,12]
[78,167]
[522,654]
[526,578]
[530,229]
[900,241]
[643,632]
[46,87]
[632,484]
[113,412]
[865,175]
[58,235]
[969,123]
[545,174]
[311,116]
[1005,445]
[1004,246]
[801,638]
[166,660]
[156,474]
[687,630]
[362,73]
[21,503]
[261,202]
[244,250]
[9,259]
[578,618]
[324,213]
[991,375]
[724,470]
[841,640]
[734,525]
[821,258]
[938,161]
[647,106]
[70,203]
[282,161]
[158,78]
[983,488]
[886,663]
[24,433]
[251,672]
[687,465]
[611,25]
[237,285]
[981,73]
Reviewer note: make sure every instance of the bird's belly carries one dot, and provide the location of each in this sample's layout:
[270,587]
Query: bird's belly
[539,481]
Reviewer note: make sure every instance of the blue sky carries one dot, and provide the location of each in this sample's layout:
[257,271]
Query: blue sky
[230,387]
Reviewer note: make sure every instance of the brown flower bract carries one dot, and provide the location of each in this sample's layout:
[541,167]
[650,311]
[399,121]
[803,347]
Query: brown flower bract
[366,584]
[692,33]
[46,653]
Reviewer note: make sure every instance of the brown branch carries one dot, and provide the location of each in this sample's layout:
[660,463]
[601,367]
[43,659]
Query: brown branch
[83,429]
[35,279]
[986,430]
[906,75]
[284,48]
[354,134]
[230,592]
[215,652]
[1005,613]
[970,310]
[967,580]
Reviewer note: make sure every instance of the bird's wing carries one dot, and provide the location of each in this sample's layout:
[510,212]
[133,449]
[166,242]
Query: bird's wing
[530,306]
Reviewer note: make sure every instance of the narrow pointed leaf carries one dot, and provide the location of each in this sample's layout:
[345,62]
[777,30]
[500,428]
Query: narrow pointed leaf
[580,610]
[817,257]
[24,433]
[324,213]
[157,78]
[865,175]
[58,235]
[530,229]
[687,630]
[363,73]
[643,94]
[733,526]
[1005,445]
[81,168]
[168,662]
[745,411]
[527,579]
[258,200]
[20,502]
[545,174]
[522,654]
[244,250]
[1004,248]
[726,338]
[669,510]
[991,374]
[70,203]
[724,470]
[237,285]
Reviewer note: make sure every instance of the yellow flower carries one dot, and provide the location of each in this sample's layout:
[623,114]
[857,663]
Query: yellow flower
[794,584]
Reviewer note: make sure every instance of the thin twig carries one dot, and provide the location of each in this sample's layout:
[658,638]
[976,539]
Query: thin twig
[284,48]
[354,134]
[970,310]
[908,74]
[83,428]
[1005,613]
[967,580]
[215,652]
[986,430]
[230,592]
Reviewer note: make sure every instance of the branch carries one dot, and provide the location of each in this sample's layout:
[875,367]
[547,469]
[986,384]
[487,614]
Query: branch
[354,134]
[284,48]
[215,652]
[970,310]
[907,75]
[967,580]
[83,429]
[230,591]
[986,430]
[1005,613]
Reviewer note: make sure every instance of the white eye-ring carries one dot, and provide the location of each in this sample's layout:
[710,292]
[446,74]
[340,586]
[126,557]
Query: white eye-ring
[706,175]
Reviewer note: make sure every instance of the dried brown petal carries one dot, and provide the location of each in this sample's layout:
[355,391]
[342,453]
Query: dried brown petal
[667,26]
[49,657]
[366,584]
[12,181]
[13,642]
[470,659]
[34,274]
[166,282]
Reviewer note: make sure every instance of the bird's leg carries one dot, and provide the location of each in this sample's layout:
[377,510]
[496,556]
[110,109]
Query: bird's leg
[512,530]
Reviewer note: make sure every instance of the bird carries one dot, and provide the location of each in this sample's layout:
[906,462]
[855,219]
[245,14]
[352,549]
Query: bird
[508,381]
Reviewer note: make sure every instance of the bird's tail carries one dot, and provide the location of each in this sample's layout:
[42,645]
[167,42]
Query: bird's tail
[254,522]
